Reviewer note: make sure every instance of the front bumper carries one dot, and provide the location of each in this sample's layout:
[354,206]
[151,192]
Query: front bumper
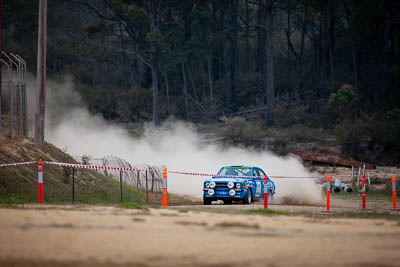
[222,193]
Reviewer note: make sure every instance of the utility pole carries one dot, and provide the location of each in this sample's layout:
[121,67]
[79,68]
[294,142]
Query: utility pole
[1,64]
[41,75]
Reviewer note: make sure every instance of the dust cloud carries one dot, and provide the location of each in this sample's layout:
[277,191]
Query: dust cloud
[176,145]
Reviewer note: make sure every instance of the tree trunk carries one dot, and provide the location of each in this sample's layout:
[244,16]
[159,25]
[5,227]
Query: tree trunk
[1,63]
[351,18]
[261,37]
[247,57]
[315,47]
[210,41]
[218,58]
[330,36]
[209,65]
[385,55]
[167,89]
[154,85]
[41,75]
[301,53]
[269,115]
[320,42]
[123,58]
[185,91]
[233,54]
[154,65]
[196,96]
[288,34]
[356,66]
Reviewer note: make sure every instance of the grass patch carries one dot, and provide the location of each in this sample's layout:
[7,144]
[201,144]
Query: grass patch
[18,185]
[267,212]
[179,200]
[131,205]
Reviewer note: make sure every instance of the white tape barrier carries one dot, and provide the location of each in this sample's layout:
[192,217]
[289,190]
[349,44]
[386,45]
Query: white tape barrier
[18,164]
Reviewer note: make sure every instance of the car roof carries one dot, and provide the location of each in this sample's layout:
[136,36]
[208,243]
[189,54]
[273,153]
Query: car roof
[240,166]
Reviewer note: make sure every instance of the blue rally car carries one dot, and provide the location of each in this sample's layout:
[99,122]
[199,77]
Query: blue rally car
[237,183]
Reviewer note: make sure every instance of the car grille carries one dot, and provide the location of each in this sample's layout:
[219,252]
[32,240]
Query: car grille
[221,185]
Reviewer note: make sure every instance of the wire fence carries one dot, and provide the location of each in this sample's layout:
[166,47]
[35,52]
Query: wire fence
[71,182]
[13,97]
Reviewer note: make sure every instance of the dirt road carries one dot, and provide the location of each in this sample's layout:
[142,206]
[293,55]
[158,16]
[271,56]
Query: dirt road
[109,236]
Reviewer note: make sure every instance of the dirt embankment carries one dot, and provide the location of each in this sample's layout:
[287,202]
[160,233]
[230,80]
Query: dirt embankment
[109,236]
[19,184]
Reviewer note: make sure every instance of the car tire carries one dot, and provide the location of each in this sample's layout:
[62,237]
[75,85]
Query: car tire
[206,201]
[228,201]
[247,198]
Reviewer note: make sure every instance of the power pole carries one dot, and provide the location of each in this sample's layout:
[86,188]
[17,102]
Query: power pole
[1,64]
[41,75]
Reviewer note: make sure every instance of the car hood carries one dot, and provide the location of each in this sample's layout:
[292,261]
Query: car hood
[227,179]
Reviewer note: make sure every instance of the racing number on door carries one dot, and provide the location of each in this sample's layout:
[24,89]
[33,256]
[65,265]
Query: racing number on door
[258,189]
[258,183]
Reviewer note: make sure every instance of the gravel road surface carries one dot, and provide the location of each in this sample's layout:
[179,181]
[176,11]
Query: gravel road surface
[83,235]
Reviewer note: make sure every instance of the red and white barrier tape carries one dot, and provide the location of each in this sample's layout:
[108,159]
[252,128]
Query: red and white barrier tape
[111,168]
[261,177]
[236,176]
[93,167]
[311,177]
[17,164]
[298,177]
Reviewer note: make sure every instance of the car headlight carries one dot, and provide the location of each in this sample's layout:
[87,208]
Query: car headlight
[211,192]
[238,185]
[232,192]
[230,184]
[212,184]
[207,185]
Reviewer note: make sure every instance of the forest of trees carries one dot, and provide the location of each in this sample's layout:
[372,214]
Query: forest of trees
[317,62]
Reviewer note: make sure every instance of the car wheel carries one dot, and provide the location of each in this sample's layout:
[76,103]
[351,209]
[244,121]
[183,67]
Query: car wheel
[228,201]
[247,198]
[206,201]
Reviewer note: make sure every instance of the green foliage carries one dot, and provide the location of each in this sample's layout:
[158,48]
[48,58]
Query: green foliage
[345,101]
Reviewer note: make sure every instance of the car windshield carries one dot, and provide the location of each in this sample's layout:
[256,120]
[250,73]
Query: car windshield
[235,171]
